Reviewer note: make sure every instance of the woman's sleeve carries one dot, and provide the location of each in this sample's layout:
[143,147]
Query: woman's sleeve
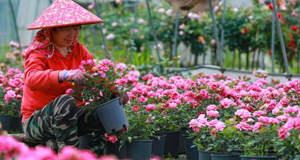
[36,76]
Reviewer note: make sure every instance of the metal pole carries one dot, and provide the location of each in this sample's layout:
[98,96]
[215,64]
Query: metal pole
[18,4]
[94,39]
[154,35]
[133,27]
[281,41]
[216,36]
[174,51]
[223,26]
[101,30]
[35,14]
[273,41]
[15,24]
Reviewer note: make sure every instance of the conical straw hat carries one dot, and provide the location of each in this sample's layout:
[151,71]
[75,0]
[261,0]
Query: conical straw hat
[64,13]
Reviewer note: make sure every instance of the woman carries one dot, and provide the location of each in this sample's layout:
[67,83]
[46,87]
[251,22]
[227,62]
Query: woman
[51,63]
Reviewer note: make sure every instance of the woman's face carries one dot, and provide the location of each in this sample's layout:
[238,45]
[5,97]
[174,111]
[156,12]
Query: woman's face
[64,36]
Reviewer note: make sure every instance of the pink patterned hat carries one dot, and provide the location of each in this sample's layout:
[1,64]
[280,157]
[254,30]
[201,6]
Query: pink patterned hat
[64,13]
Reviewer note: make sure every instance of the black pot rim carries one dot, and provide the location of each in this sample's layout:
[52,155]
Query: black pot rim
[172,132]
[224,155]
[187,135]
[212,152]
[142,140]
[161,135]
[5,115]
[258,156]
[103,104]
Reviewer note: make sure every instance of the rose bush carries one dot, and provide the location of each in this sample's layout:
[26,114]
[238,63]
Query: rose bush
[11,92]
[102,87]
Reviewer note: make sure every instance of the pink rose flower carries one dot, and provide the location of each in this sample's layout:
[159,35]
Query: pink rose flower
[297,123]
[150,107]
[173,105]
[226,102]
[11,93]
[10,147]
[69,152]
[289,109]
[91,6]
[69,91]
[259,113]
[203,93]
[212,114]
[243,126]
[109,157]
[220,126]
[90,62]
[175,95]
[40,152]
[212,123]
[135,108]
[282,118]
[264,120]
[193,123]
[143,99]
[283,133]
[112,139]
[257,126]
[243,113]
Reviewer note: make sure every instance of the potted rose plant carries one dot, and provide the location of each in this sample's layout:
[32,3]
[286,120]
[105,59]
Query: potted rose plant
[258,133]
[289,122]
[100,94]
[11,92]
[222,130]
[225,141]
[288,132]
[141,126]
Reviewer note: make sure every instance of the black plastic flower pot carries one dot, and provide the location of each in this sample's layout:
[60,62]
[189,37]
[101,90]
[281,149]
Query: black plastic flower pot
[112,116]
[171,144]
[206,155]
[116,149]
[84,141]
[139,149]
[16,124]
[5,121]
[190,150]
[181,148]
[258,157]
[158,146]
[224,157]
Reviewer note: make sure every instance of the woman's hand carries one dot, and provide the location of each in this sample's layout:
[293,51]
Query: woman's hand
[76,76]
[123,98]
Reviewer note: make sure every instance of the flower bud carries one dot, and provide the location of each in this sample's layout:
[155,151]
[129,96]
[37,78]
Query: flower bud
[130,139]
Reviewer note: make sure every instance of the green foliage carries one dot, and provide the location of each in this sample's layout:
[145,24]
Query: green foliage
[102,87]
[289,147]
[166,119]
[140,124]
[259,143]
[11,92]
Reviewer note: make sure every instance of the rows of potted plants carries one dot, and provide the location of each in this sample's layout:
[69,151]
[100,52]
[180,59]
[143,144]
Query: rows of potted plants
[11,92]
[246,116]
[253,117]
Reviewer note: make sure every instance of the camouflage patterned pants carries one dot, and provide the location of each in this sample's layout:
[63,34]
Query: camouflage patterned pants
[63,121]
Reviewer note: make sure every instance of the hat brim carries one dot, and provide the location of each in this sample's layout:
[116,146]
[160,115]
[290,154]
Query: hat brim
[63,25]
